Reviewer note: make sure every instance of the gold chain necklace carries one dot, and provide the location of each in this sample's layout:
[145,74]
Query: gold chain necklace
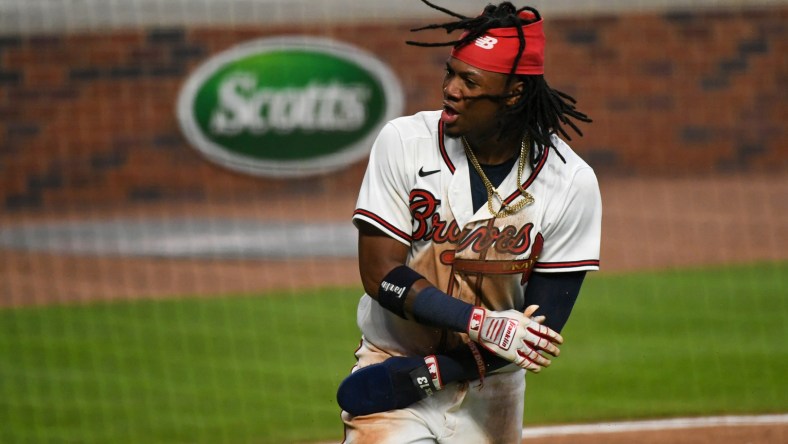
[506,210]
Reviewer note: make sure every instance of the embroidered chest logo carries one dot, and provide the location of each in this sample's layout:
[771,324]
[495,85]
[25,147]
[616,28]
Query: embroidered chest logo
[486,42]
[429,226]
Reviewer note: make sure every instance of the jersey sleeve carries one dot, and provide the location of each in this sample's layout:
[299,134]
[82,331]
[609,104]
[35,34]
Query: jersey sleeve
[573,232]
[383,200]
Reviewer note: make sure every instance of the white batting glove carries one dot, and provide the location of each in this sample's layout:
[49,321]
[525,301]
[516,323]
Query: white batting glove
[514,336]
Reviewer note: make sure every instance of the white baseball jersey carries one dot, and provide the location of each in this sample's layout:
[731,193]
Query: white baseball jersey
[417,190]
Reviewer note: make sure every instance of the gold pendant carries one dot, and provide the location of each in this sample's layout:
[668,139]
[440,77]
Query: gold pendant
[506,210]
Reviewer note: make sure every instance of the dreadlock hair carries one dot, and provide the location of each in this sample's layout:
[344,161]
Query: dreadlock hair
[540,110]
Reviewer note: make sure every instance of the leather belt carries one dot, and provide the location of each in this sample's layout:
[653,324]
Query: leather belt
[492,267]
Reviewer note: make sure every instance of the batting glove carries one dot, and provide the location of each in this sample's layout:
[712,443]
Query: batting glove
[514,336]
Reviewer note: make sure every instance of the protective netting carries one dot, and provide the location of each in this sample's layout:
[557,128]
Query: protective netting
[154,288]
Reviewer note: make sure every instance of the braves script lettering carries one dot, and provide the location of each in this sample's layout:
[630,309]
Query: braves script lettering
[429,226]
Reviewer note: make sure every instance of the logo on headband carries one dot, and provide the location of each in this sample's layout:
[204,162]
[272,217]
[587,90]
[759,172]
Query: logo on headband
[486,42]
[498,48]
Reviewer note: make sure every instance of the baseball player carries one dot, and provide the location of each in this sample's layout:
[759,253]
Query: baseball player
[477,224]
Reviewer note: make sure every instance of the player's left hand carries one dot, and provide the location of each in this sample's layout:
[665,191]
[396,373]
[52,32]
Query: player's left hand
[515,336]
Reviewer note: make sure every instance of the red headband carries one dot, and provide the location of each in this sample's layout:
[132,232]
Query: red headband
[496,50]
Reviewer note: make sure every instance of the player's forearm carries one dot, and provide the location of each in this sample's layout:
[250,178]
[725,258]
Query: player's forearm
[555,294]
[400,289]
[400,381]
[460,364]
[409,295]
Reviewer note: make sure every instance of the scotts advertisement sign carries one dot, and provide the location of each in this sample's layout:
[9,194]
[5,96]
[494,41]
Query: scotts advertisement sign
[288,106]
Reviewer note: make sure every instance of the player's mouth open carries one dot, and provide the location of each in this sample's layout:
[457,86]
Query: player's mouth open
[449,114]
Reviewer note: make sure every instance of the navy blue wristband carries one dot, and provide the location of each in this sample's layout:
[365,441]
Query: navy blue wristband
[434,307]
[394,288]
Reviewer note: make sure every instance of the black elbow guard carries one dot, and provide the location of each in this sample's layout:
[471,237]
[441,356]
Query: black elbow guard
[394,288]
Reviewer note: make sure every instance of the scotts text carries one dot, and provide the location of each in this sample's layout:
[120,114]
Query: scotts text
[317,107]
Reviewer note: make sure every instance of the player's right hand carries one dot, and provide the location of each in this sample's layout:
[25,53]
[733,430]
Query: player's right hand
[514,336]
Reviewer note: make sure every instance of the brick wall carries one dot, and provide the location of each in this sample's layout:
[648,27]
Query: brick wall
[88,119]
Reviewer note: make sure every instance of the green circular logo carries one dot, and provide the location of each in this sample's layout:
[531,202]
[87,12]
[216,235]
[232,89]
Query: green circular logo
[288,106]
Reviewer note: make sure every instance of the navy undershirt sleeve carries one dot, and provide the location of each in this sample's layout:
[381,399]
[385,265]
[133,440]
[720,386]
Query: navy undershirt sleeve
[555,294]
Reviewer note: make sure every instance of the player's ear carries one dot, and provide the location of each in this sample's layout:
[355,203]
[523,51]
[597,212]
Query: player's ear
[515,92]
